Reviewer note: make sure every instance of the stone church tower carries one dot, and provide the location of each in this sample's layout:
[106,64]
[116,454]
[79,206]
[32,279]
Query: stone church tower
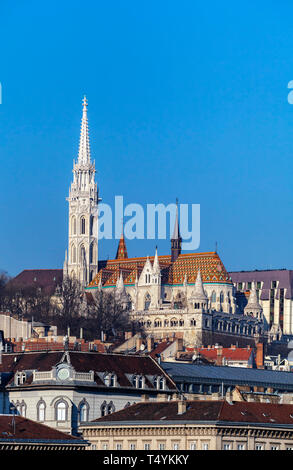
[81,260]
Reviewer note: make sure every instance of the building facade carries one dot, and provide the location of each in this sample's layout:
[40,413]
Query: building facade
[63,389]
[275,294]
[194,425]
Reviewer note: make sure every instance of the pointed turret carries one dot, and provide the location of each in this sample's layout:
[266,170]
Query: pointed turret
[84,156]
[176,239]
[120,290]
[156,264]
[122,250]
[253,306]
[198,293]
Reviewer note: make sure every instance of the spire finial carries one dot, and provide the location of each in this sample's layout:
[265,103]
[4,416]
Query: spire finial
[84,143]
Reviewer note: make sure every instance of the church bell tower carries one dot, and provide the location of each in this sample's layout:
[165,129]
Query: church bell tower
[81,259]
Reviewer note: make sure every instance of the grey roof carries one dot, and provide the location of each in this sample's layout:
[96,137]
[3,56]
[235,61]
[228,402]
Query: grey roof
[193,373]
[284,276]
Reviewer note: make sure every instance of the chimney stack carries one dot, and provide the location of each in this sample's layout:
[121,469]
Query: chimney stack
[181,406]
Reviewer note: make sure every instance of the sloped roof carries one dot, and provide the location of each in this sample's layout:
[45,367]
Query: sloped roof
[17,427]
[121,365]
[209,264]
[214,411]
[283,276]
[46,279]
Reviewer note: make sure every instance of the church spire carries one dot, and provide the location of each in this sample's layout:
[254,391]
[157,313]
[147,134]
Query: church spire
[84,156]
[122,250]
[176,238]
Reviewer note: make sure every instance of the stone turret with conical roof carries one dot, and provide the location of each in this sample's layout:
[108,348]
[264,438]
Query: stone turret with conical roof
[120,291]
[253,306]
[198,297]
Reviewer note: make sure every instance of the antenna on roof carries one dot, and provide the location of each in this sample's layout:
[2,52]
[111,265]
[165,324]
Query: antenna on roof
[216,250]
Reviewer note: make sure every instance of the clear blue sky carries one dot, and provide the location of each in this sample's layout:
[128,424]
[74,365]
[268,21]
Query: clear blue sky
[186,99]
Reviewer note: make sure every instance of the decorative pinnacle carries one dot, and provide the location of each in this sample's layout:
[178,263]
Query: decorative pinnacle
[84,144]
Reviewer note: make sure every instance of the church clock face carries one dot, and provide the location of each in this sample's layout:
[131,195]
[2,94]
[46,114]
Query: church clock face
[63,374]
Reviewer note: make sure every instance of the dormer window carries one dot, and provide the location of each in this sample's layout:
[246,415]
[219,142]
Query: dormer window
[160,383]
[110,380]
[19,378]
[138,381]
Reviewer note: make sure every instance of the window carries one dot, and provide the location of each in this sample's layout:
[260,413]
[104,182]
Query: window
[161,446]
[241,447]
[132,447]
[259,447]
[118,446]
[275,447]
[227,447]
[240,285]
[41,411]
[105,446]
[147,446]
[176,446]
[205,446]
[214,297]
[61,411]
[82,225]
[192,446]
[83,412]
[147,302]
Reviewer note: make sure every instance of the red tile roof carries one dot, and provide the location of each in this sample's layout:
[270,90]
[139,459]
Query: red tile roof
[17,427]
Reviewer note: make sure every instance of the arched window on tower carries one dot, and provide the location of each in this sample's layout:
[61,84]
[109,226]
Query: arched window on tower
[73,225]
[147,301]
[73,253]
[91,225]
[82,225]
[91,253]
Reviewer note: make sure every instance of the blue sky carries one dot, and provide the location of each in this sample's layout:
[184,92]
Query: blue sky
[186,99]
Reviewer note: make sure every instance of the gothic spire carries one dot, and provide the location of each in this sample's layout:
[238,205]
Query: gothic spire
[156,264]
[176,238]
[84,156]
[122,250]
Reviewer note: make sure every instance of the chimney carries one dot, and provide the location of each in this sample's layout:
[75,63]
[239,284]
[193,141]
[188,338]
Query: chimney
[138,343]
[181,407]
[259,356]
[179,344]
[219,355]
[150,343]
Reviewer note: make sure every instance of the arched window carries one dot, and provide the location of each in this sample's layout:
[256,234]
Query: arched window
[82,254]
[147,301]
[82,225]
[221,297]
[83,411]
[214,297]
[73,253]
[73,225]
[61,411]
[91,225]
[91,252]
[104,408]
[41,411]
[110,408]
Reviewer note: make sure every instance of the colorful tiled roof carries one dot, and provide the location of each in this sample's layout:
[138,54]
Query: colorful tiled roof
[209,264]
[122,250]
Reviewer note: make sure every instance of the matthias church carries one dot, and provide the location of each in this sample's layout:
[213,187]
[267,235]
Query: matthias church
[187,295]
